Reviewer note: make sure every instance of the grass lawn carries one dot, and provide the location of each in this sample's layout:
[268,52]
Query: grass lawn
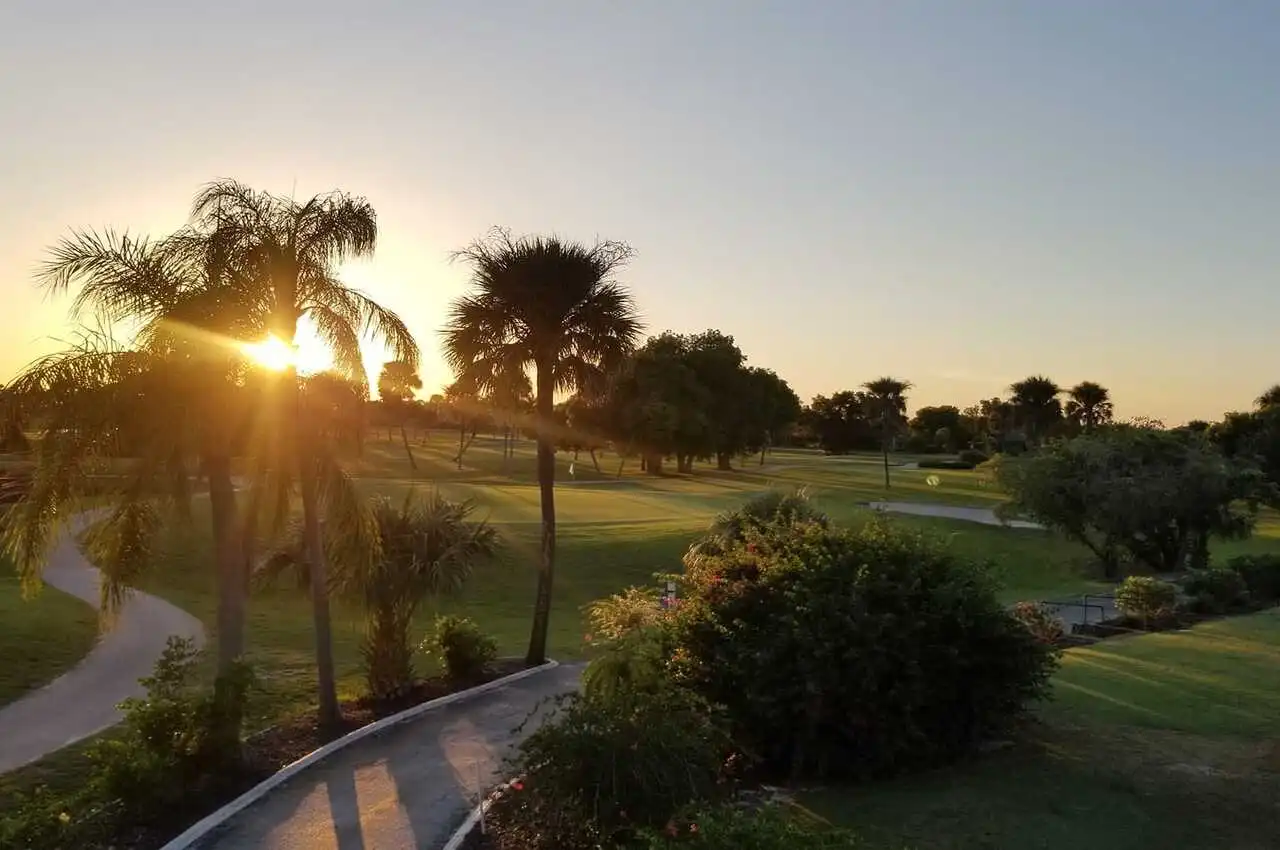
[40,638]
[1165,740]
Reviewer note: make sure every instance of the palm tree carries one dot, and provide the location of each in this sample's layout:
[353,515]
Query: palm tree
[397,383]
[289,249]
[1036,406]
[889,402]
[1089,405]
[551,305]
[174,392]
[1270,398]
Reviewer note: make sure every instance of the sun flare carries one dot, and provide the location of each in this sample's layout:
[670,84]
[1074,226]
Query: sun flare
[310,355]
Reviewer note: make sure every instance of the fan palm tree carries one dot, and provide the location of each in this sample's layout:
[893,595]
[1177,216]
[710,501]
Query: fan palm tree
[551,305]
[169,398]
[1270,398]
[889,406]
[397,382]
[289,249]
[1036,406]
[1088,405]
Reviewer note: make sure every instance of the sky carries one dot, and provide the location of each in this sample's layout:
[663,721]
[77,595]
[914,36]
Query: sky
[956,193]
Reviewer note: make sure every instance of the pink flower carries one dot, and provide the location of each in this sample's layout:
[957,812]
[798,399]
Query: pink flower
[517,785]
[693,827]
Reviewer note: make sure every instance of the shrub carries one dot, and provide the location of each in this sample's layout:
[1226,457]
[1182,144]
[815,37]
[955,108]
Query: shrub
[1261,574]
[178,741]
[1146,598]
[465,651]
[730,827]
[1215,591]
[945,463]
[617,615]
[1044,625]
[973,456]
[855,653]
[606,765]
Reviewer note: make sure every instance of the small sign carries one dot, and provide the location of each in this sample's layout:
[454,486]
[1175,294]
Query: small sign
[668,595]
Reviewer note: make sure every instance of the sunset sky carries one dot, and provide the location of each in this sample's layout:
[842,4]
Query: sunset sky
[957,193]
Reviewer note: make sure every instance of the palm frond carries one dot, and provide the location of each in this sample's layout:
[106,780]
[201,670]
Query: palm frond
[120,276]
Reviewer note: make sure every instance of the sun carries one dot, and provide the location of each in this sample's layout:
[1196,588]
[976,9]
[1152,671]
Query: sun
[309,356]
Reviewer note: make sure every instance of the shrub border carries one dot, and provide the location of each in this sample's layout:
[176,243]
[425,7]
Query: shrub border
[209,823]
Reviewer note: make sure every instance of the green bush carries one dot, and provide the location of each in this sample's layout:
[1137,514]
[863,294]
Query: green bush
[606,765]
[853,653]
[1040,620]
[945,463]
[973,456]
[1146,598]
[1261,574]
[45,821]
[617,615]
[1215,591]
[729,827]
[178,741]
[465,651]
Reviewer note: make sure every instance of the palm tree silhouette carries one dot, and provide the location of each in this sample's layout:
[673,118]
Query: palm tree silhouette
[1089,405]
[889,407]
[552,305]
[1036,406]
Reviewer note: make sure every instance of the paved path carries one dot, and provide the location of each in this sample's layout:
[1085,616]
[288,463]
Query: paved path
[986,516]
[406,788]
[83,700]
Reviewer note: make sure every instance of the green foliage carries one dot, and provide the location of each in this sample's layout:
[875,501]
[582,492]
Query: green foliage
[853,653]
[733,827]
[775,509]
[1215,591]
[1261,574]
[1146,598]
[622,613]
[1040,620]
[464,649]
[974,456]
[606,765]
[178,739]
[843,422]
[1155,496]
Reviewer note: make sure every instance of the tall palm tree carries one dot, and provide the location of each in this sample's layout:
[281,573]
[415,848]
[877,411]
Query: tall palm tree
[1036,406]
[397,382]
[889,402]
[290,249]
[552,305]
[180,375]
[1270,398]
[1088,405]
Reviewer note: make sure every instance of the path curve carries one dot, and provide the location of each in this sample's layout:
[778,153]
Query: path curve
[985,516]
[83,700]
[406,788]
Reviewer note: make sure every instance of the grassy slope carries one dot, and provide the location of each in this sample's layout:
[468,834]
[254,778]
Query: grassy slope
[1168,740]
[40,638]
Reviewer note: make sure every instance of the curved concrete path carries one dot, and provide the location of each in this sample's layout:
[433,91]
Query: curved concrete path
[83,700]
[409,787]
[985,516]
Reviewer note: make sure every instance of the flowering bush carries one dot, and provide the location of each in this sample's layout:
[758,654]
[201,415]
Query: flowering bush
[1146,598]
[1040,620]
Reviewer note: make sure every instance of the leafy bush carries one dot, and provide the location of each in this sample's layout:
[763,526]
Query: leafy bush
[465,651]
[730,827]
[774,509]
[1040,620]
[43,820]
[1261,574]
[973,456]
[854,653]
[1215,591]
[1146,598]
[177,740]
[945,463]
[606,765]
[622,613]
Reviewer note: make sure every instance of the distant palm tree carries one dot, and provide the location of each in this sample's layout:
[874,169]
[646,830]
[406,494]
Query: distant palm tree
[397,382]
[1089,405]
[290,249]
[1036,406]
[1270,398]
[889,402]
[551,305]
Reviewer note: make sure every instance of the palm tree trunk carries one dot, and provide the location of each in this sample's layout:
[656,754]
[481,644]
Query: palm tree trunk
[547,489]
[595,461]
[884,445]
[723,461]
[404,438]
[230,562]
